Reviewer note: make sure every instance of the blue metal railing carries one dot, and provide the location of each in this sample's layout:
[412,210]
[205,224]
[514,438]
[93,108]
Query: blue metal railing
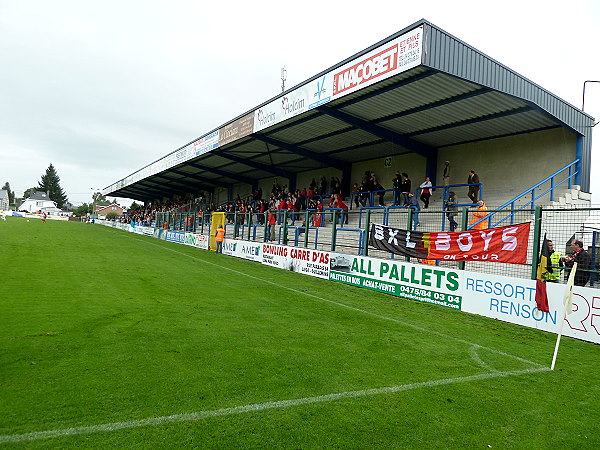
[510,205]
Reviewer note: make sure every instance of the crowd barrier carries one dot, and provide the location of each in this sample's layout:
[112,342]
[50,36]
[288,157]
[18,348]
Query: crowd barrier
[508,299]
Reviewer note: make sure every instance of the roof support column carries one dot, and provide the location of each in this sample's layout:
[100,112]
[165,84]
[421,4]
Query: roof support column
[346,181]
[292,183]
[578,155]
[431,168]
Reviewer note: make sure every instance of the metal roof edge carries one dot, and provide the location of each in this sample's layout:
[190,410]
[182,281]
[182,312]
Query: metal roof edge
[302,83]
[506,68]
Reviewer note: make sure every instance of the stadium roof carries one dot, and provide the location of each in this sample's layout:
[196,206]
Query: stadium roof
[416,91]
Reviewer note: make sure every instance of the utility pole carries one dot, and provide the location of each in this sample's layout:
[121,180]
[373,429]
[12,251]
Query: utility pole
[583,100]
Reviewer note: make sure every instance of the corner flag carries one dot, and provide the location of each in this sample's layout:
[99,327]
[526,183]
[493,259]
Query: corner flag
[568,300]
[544,266]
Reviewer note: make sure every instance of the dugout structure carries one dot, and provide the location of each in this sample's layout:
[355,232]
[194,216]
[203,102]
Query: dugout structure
[408,103]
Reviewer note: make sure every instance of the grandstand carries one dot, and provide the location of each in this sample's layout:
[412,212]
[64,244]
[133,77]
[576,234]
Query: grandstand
[405,104]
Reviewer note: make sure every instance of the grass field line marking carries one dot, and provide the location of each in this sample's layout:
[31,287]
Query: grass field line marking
[410,325]
[475,357]
[199,415]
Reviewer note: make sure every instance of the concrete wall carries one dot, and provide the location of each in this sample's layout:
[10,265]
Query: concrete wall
[411,163]
[511,164]
[304,179]
[506,166]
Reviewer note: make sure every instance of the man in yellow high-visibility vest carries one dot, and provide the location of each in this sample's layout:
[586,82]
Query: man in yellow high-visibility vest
[556,263]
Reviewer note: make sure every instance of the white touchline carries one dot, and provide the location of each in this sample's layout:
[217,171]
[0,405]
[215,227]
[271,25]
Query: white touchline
[199,415]
[410,325]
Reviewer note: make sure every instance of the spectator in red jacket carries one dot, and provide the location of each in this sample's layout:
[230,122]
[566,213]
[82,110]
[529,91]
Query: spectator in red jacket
[344,208]
[271,222]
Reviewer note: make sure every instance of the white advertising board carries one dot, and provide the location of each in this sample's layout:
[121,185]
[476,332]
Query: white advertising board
[302,260]
[389,59]
[197,240]
[513,300]
[420,282]
[242,249]
[206,143]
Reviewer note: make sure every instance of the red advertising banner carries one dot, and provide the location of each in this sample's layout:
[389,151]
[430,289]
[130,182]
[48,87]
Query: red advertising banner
[503,244]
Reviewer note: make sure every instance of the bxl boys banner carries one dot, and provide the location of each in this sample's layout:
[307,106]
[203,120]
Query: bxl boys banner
[502,244]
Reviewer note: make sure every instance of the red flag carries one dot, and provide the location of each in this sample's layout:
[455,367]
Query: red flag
[541,296]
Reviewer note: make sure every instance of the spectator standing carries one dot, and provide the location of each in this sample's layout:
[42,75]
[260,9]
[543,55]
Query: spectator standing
[271,222]
[446,175]
[480,213]
[414,204]
[219,238]
[473,193]
[397,185]
[451,214]
[425,192]
[380,191]
[583,260]
[406,188]
[344,215]
[356,189]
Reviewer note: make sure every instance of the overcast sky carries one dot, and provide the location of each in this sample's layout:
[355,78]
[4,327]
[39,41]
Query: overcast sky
[102,88]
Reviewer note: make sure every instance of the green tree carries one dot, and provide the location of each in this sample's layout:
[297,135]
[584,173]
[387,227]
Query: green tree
[11,194]
[83,209]
[98,198]
[51,183]
[29,192]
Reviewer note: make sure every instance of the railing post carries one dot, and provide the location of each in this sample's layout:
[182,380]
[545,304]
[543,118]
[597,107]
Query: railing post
[366,233]
[306,229]
[236,225]
[249,224]
[285,227]
[464,225]
[334,230]
[409,227]
[537,230]
[593,273]
[265,233]
[552,189]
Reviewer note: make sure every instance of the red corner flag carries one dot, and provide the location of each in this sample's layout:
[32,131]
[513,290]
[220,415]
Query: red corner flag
[541,296]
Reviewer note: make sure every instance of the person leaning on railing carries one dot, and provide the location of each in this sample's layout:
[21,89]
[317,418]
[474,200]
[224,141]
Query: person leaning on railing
[452,213]
[583,260]
[480,213]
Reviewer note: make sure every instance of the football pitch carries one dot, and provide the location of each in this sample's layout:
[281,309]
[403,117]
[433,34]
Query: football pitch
[115,340]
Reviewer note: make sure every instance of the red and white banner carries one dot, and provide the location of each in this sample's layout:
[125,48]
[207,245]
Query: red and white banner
[503,244]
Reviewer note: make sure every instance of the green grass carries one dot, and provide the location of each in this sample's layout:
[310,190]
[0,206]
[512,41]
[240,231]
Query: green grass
[99,326]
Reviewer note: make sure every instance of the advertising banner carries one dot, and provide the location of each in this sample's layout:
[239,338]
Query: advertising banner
[392,58]
[206,143]
[302,260]
[310,95]
[199,240]
[175,158]
[242,249]
[502,244]
[236,130]
[425,283]
[513,300]
[174,236]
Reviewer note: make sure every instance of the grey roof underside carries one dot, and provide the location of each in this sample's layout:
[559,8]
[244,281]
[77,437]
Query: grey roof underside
[450,55]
